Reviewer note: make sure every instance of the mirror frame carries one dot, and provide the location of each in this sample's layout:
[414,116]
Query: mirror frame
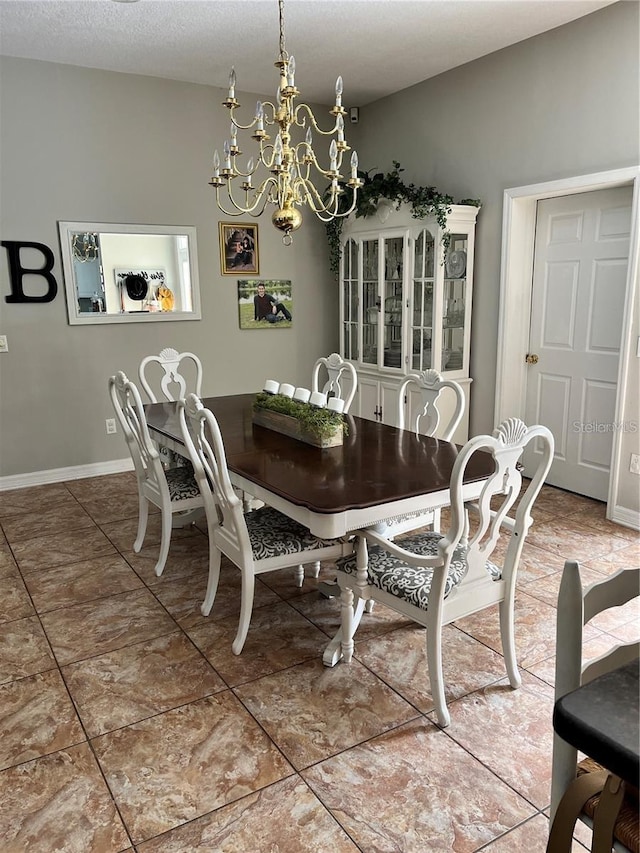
[76,317]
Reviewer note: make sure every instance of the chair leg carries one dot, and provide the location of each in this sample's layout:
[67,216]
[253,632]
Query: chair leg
[165,541]
[436,678]
[347,623]
[315,569]
[143,516]
[246,606]
[507,635]
[214,577]
[298,575]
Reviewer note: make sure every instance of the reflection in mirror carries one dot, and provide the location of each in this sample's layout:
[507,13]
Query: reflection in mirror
[129,273]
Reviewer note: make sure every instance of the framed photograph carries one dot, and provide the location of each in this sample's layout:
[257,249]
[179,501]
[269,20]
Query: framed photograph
[239,248]
[265,303]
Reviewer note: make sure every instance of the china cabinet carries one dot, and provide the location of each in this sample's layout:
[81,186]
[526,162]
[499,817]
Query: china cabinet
[405,304]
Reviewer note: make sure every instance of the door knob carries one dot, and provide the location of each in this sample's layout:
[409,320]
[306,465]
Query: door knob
[531,358]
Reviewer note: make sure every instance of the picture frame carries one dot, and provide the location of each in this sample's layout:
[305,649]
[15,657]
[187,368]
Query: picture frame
[239,248]
[265,303]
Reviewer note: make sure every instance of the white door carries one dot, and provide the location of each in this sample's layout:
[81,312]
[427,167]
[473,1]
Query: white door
[579,285]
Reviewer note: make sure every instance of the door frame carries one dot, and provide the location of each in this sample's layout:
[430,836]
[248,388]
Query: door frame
[516,284]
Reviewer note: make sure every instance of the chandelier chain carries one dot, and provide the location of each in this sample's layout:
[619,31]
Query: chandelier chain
[283,52]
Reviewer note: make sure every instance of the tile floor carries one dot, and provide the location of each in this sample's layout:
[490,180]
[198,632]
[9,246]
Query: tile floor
[127,723]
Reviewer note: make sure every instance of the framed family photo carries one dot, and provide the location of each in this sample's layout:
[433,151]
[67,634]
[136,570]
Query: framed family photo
[265,303]
[239,248]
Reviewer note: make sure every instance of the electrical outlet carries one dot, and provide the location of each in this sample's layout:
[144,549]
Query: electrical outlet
[634,465]
[4,346]
[111,425]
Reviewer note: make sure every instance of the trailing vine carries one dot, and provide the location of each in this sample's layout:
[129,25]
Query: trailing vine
[424,201]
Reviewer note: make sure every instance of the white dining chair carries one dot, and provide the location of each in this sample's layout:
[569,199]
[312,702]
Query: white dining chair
[577,787]
[427,419]
[173,491]
[434,578]
[341,382]
[174,373]
[263,540]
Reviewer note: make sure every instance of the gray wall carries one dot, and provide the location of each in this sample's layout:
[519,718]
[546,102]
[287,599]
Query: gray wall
[561,104]
[86,145]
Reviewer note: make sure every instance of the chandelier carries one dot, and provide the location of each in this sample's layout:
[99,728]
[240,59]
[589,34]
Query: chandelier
[85,247]
[290,165]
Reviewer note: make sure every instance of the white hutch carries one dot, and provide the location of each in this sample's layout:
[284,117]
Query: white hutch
[405,304]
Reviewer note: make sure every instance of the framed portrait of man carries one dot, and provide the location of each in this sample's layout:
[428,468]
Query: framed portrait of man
[239,248]
[265,303]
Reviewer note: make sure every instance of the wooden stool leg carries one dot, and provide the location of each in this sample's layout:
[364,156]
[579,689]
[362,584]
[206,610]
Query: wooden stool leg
[570,806]
[606,814]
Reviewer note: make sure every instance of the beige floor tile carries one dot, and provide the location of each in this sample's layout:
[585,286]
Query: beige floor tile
[529,836]
[186,554]
[279,637]
[561,503]
[8,565]
[518,748]
[45,552]
[14,598]
[97,487]
[24,649]
[65,516]
[535,629]
[595,646]
[36,717]
[114,507]
[547,589]
[400,660]
[625,558]
[36,498]
[596,518]
[59,802]
[311,711]
[414,789]
[123,533]
[184,763]
[101,626]
[325,613]
[573,541]
[283,581]
[122,687]
[284,818]
[63,586]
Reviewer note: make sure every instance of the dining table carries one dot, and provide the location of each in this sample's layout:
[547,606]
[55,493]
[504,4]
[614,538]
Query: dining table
[379,472]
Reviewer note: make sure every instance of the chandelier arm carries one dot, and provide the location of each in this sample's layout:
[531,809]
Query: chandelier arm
[301,122]
[242,126]
[260,197]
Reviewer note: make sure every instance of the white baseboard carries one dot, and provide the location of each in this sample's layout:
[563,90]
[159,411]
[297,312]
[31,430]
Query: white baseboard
[626,517]
[59,475]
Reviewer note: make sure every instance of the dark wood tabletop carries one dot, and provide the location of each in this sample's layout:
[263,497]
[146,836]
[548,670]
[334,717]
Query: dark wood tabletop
[377,464]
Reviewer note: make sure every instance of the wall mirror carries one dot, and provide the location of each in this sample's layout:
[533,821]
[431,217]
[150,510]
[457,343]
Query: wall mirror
[117,273]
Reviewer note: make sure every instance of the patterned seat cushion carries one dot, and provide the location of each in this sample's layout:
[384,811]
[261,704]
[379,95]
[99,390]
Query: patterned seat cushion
[272,534]
[412,583]
[181,484]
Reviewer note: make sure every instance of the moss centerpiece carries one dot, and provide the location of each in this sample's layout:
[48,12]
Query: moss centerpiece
[318,427]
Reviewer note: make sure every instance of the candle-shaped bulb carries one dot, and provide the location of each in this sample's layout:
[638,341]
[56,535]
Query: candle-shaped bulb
[277,150]
[227,155]
[216,164]
[333,154]
[249,171]
[339,92]
[354,165]
[259,115]
[233,131]
[232,83]
[340,128]
[293,171]
[278,98]
[308,137]
[291,71]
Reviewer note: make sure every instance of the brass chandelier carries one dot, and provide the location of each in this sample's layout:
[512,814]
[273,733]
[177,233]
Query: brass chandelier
[290,165]
[85,247]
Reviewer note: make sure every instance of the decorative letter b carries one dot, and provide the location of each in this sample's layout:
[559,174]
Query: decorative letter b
[17,271]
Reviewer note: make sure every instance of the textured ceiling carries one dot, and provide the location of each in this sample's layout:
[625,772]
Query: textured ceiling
[378,46]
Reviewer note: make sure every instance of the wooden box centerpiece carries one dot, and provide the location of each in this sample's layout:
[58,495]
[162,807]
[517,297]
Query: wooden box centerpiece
[318,427]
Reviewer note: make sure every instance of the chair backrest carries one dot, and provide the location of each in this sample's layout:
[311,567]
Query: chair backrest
[171,362]
[576,607]
[430,384]
[130,413]
[499,494]
[225,516]
[338,369]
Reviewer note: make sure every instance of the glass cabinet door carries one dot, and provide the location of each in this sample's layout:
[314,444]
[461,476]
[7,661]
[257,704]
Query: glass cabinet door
[454,317]
[350,301]
[422,305]
[391,314]
[370,302]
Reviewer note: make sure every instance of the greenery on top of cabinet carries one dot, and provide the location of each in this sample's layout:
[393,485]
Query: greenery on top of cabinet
[424,201]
